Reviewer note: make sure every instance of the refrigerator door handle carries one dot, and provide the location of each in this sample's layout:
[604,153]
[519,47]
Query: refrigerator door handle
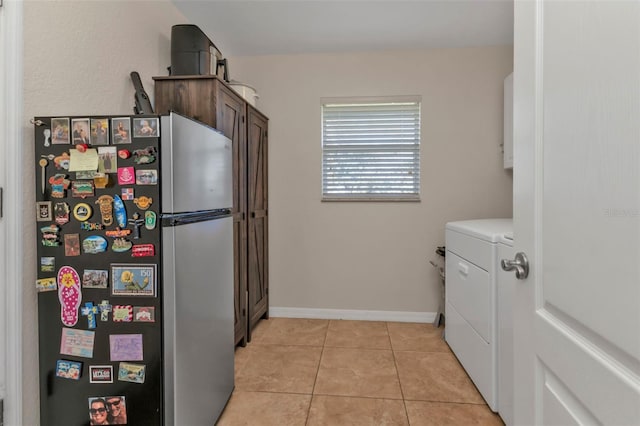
[169,220]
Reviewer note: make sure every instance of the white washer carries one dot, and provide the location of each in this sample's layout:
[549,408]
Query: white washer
[471,299]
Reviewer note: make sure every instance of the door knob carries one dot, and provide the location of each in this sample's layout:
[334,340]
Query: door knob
[520,264]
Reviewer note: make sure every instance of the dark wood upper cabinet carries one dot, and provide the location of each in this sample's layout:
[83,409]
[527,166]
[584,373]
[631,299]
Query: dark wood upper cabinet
[210,100]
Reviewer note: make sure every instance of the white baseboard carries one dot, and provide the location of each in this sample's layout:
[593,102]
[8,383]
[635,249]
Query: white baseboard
[348,314]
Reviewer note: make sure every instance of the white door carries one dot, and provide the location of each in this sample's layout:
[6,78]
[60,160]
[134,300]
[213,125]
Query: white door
[3,226]
[577,212]
[11,231]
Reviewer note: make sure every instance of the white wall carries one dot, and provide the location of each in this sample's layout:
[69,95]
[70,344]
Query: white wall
[77,60]
[374,256]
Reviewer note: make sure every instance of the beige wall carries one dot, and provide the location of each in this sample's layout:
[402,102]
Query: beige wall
[77,60]
[374,256]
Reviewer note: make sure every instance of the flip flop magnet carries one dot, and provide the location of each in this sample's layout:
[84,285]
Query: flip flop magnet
[69,294]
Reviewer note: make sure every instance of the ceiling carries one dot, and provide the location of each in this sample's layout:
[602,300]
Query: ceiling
[269,27]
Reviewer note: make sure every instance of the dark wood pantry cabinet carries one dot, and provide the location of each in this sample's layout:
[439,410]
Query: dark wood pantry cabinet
[210,100]
[257,197]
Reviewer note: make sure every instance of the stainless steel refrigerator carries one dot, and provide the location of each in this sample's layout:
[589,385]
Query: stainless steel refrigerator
[135,270]
[197,234]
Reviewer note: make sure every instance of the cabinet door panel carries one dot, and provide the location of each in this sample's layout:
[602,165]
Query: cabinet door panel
[258,278]
[231,118]
[231,122]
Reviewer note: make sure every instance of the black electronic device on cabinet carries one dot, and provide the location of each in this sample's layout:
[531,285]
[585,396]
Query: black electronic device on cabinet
[192,52]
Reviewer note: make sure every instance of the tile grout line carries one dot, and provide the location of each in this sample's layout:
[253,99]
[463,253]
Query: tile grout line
[336,395]
[395,363]
[437,401]
[324,342]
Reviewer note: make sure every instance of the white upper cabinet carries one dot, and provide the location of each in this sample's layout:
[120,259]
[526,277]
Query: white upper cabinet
[507,147]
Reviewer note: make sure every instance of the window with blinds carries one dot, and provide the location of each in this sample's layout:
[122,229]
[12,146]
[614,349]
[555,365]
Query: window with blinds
[371,149]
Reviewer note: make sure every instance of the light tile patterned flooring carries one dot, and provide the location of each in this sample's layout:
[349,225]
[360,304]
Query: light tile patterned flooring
[311,372]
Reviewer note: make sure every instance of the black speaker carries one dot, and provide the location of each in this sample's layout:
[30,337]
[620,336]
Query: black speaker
[191,51]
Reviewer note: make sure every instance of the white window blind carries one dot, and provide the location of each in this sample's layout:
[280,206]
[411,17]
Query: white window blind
[371,150]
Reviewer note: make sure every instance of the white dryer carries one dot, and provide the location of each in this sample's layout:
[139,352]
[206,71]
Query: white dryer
[472,265]
[506,282]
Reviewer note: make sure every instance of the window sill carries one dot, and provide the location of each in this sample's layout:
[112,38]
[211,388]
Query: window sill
[382,200]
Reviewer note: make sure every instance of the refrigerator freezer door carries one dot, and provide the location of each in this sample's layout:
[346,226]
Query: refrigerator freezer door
[196,166]
[198,320]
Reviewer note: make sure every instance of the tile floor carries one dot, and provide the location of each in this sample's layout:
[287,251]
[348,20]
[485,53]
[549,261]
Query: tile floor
[311,372]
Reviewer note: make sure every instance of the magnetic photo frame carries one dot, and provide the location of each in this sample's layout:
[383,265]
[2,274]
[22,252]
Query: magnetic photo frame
[133,279]
[99,131]
[80,131]
[121,130]
[146,127]
[60,131]
[110,410]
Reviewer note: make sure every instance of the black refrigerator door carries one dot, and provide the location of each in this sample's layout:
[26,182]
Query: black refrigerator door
[99,311]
